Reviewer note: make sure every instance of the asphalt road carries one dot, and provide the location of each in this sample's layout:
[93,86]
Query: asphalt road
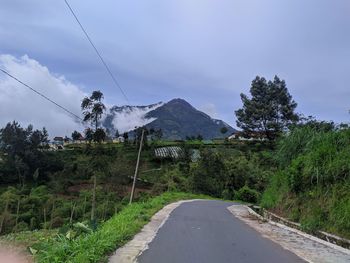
[206,232]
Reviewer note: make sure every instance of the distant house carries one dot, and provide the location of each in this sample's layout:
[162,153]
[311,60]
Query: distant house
[250,136]
[119,139]
[67,140]
[58,141]
[54,147]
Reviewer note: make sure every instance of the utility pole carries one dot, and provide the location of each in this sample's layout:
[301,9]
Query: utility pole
[137,168]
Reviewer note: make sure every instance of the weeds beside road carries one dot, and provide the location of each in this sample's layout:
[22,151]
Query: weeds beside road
[96,247]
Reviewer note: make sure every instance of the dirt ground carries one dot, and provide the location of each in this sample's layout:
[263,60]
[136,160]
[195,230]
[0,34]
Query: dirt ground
[12,255]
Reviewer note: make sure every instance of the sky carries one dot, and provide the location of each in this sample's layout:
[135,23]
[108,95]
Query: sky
[204,51]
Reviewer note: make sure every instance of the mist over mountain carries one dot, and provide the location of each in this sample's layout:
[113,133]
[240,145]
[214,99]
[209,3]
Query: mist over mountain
[177,119]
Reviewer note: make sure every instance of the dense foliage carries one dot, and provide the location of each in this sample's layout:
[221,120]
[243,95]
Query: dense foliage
[313,182]
[269,111]
[89,182]
[66,195]
[73,192]
[221,172]
[21,155]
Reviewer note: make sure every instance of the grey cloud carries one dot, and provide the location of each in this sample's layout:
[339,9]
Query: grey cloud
[205,51]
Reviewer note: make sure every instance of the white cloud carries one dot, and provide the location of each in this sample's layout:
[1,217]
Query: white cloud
[210,109]
[19,103]
[131,117]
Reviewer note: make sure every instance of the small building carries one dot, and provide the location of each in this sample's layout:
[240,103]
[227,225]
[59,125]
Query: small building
[119,139]
[58,141]
[54,147]
[173,152]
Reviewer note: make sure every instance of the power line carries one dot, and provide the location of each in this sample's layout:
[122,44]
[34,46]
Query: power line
[42,95]
[97,52]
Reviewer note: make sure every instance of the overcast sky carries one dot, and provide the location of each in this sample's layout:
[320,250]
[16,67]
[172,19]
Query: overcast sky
[205,51]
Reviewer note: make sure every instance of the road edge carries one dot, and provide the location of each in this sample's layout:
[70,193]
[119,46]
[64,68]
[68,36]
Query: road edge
[134,248]
[306,251]
[299,232]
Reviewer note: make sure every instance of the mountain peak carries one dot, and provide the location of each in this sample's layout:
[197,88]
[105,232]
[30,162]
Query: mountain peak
[177,119]
[178,100]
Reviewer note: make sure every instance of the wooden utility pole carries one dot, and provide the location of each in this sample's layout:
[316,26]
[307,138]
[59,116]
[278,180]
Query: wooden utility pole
[93,201]
[137,168]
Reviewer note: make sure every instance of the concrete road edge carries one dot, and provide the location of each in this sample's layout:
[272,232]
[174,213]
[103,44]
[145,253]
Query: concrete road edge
[130,251]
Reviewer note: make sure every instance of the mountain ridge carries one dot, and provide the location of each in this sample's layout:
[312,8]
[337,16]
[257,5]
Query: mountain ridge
[177,118]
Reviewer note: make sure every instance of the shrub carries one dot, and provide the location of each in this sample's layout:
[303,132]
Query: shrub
[228,194]
[277,188]
[247,195]
[21,226]
[314,219]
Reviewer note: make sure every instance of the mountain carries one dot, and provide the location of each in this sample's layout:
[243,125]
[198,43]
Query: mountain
[177,119]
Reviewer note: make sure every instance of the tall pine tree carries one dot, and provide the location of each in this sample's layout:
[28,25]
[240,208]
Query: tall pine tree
[269,111]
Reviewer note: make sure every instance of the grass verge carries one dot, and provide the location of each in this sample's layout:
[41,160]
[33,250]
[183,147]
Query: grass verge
[114,233]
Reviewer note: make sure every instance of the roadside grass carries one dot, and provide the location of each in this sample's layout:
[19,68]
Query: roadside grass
[97,246]
[312,184]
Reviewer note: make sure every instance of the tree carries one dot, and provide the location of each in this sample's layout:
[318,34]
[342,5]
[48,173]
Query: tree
[269,111]
[126,136]
[158,134]
[224,130]
[22,150]
[99,135]
[138,135]
[14,139]
[207,176]
[38,138]
[116,134]
[76,135]
[89,134]
[7,197]
[93,108]
[313,123]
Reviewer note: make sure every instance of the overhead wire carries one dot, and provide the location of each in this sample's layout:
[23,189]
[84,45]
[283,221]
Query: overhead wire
[97,52]
[41,94]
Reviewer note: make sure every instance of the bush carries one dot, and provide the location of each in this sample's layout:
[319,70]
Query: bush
[228,194]
[247,195]
[22,226]
[314,219]
[277,188]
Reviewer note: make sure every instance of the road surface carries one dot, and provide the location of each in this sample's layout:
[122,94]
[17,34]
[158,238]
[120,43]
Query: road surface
[206,232]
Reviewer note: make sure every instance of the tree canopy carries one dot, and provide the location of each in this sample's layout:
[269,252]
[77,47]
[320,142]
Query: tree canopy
[76,135]
[22,152]
[93,108]
[269,111]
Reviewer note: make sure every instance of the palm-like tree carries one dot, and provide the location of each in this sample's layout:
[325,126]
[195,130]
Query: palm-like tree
[93,108]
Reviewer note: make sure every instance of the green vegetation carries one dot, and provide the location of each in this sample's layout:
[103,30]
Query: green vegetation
[313,182]
[67,206]
[269,111]
[95,246]
[71,205]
